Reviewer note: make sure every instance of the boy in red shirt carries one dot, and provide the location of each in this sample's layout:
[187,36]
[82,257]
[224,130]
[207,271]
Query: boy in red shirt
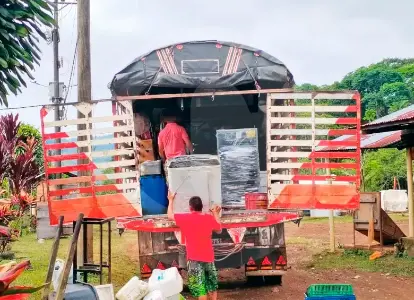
[202,273]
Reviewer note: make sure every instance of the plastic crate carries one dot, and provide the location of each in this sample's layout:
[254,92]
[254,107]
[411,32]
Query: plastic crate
[330,290]
[343,297]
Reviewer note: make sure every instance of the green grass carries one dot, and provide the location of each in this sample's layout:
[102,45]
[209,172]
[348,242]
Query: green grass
[27,247]
[319,220]
[398,217]
[359,260]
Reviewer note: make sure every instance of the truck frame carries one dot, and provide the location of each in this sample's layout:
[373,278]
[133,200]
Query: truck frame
[253,239]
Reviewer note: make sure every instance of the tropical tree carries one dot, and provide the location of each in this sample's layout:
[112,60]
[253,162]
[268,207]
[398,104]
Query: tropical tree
[21,23]
[381,166]
[396,94]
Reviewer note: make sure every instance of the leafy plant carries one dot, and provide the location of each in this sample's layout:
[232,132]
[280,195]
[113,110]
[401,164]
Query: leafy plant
[17,161]
[29,135]
[380,167]
[21,25]
[5,238]
[5,157]
[10,272]
[9,128]
[23,175]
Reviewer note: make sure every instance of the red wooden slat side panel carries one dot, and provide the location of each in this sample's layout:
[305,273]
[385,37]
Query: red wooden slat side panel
[91,193]
[326,180]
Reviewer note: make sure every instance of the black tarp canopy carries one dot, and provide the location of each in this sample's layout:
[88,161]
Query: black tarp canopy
[196,65]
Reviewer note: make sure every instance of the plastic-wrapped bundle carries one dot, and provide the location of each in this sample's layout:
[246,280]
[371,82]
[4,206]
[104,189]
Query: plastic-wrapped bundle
[194,175]
[193,161]
[239,158]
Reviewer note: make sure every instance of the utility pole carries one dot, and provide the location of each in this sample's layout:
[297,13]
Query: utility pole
[84,95]
[56,84]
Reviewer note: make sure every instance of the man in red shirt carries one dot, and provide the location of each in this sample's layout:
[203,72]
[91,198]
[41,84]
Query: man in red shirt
[202,273]
[173,140]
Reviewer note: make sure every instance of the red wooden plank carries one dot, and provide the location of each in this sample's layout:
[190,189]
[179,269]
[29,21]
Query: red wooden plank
[339,132]
[350,154]
[346,121]
[325,178]
[352,108]
[60,146]
[76,168]
[66,157]
[330,165]
[55,135]
[334,143]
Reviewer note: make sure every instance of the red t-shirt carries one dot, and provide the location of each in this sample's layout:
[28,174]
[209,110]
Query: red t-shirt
[197,229]
[172,139]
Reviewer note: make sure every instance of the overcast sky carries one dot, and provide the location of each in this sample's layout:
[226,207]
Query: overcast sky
[319,40]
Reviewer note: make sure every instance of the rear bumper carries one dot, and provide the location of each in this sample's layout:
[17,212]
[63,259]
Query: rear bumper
[266,273]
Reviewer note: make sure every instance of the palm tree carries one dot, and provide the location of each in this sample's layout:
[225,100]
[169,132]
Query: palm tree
[21,23]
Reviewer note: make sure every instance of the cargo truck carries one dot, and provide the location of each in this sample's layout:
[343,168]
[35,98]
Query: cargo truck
[218,87]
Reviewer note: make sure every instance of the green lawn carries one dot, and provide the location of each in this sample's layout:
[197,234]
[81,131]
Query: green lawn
[359,260]
[398,217]
[124,266]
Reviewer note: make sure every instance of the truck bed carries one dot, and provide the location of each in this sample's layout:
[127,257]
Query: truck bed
[232,219]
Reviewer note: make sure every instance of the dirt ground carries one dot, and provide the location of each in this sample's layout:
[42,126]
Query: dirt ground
[367,286]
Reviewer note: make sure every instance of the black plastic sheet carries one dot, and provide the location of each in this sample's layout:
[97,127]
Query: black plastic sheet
[201,65]
[239,158]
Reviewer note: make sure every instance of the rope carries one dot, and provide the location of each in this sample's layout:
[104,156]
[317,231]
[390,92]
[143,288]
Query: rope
[221,252]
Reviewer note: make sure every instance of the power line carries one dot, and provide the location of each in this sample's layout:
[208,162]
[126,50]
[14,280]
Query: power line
[72,71]
[54,105]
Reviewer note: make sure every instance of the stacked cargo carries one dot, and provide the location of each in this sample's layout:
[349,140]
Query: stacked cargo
[239,158]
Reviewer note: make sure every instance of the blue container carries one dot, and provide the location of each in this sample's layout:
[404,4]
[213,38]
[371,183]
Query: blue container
[342,297]
[154,193]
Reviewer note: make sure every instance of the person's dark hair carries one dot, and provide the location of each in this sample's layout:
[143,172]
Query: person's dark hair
[169,115]
[195,203]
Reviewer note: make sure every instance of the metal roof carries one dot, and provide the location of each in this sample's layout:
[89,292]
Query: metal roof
[368,141]
[401,117]
[376,140]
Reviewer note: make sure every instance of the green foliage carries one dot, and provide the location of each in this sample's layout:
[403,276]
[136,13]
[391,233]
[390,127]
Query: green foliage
[370,115]
[23,224]
[380,167]
[370,79]
[386,86]
[27,131]
[21,23]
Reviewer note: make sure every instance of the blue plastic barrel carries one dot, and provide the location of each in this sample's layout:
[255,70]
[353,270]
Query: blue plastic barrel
[154,192]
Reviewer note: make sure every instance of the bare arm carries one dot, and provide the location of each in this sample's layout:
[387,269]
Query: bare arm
[216,214]
[162,154]
[161,148]
[187,142]
[170,211]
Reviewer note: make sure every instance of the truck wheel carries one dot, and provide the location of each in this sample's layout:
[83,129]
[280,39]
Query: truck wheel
[273,280]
